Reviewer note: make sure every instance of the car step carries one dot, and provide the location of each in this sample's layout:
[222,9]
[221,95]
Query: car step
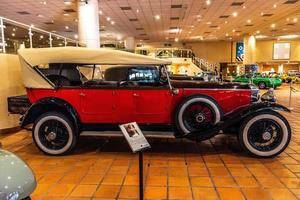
[148,134]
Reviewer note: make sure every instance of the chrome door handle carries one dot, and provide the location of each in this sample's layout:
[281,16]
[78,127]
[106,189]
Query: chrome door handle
[82,94]
[136,95]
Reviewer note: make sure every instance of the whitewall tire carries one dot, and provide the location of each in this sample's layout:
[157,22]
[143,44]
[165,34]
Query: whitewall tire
[53,133]
[197,113]
[265,134]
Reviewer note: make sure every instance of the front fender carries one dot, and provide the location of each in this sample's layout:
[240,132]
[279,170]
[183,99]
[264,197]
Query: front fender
[48,105]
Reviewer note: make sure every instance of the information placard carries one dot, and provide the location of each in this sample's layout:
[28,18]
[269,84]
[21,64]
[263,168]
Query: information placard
[281,51]
[134,136]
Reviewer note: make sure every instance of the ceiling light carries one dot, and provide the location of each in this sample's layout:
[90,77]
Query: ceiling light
[68,2]
[261,36]
[100,12]
[137,10]
[273,25]
[66,14]
[233,30]
[244,7]
[226,34]
[13,34]
[288,36]
[41,36]
[157,17]
[226,22]
[119,38]
[108,18]
[43,2]
[39,15]
[287,19]
[249,21]
[275,6]
[14,29]
[295,19]
[208,22]
[112,22]
[176,39]
[76,36]
[262,13]
[235,14]
[208,2]
[258,32]
[66,27]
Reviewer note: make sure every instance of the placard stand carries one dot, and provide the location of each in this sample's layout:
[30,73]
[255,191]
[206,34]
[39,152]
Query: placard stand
[141,174]
[137,143]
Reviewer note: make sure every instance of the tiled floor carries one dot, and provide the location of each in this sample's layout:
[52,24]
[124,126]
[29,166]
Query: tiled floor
[174,169]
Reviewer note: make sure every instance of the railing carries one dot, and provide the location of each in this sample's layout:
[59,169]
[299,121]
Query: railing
[15,35]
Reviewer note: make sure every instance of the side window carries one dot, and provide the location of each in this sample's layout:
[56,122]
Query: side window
[144,76]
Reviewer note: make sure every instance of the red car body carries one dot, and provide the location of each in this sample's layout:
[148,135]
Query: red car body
[145,106]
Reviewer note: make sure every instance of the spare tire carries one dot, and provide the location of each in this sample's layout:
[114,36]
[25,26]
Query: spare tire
[197,113]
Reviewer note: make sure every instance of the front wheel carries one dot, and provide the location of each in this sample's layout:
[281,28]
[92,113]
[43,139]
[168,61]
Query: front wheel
[265,134]
[53,133]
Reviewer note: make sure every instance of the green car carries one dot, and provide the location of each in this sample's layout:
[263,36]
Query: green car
[261,81]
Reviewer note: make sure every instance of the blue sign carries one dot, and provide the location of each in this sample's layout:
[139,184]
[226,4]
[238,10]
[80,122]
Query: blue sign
[240,51]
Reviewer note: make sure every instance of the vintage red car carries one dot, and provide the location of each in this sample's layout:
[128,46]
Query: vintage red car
[81,91]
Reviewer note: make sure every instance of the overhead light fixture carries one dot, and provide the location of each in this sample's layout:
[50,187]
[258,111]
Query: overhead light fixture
[273,25]
[112,22]
[233,30]
[261,36]
[67,2]
[137,10]
[41,36]
[176,39]
[44,2]
[287,19]
[76,36]
[288,36]
[226,22]
[13,34]
[157,17]
[66,27]
[208,23]
[295,19]
[275,6]
[234,14]
[119,38]
[100,12]
[66,14]
[108,19]
[226,34]
[14,29]
[258,32]
[249,21]
[208,2]
[244,7]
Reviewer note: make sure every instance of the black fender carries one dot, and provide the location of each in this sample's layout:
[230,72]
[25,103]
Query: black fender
[47,105]
[236,117]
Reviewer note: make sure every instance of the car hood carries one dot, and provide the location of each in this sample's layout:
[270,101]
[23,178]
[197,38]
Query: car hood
[16,178]
[208,85]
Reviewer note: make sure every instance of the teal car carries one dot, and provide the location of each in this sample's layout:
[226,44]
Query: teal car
[262,82]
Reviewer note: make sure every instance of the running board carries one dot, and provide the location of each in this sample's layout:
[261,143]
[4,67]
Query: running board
[148,134]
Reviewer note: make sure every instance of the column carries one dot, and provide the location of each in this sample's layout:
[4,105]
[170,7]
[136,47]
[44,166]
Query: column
[88,23]
[130,44]
[249,50]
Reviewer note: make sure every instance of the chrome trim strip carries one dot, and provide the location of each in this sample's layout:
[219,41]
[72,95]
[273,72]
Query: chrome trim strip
[148,134]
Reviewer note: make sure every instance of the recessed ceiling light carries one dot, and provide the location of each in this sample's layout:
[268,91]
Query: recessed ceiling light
[226,34]
[66,27]
[289,36]
[226,22]
[157,17]
[176,39]
[68,2]
[208,22]
[137,10]
[108,18]
[76,36]
[235,14]
[112,22]
[261,36]
[287,19]
[295,19]
[40,15]
[119,38]
[262,13]
[13,34]
[273,25]
[14,29]
[244,7]
[249,21]
[41,36]
[100,12]
[208,2]
[43,2]
[275,6]
[66,14]
[258,32]
[233,30]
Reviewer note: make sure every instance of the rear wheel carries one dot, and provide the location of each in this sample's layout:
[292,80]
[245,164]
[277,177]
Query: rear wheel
[197,113]
[265,134]
[262,85]
[54,134]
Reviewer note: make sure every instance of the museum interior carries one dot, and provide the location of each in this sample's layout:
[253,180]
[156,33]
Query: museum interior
[149,99]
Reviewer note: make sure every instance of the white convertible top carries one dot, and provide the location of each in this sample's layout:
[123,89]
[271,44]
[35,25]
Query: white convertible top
[30,58]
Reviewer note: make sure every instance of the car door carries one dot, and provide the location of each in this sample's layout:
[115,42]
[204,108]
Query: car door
[152,99]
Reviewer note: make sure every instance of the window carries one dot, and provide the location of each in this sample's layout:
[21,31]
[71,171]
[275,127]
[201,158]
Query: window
[143,75]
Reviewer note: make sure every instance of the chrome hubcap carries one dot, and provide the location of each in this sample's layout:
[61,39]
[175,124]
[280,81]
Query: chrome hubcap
[200,118]
[266,135]
[51,136]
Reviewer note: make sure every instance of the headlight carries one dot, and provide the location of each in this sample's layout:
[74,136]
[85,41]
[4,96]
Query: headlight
[12,196]
[255,93]
[269,96]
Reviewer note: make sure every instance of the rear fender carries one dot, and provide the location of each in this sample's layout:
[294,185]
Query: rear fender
[48,105]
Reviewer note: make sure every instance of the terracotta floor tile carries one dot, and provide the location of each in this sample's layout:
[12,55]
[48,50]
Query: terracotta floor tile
[131,180]
[157,171]
[239,172]
[129,192]
[180,193]
[197,171]
[107,191]
[201,181]
[42,189]
[283,173]
[294,168]
[52,198]
[92,179]
[224,182]
[204,193]
[270,182]
[218,171]
[281,194]
[61,190]
[118,169]
[84,191]
[178,171]
[50,178]
[178,181]
[156,181]
[256,193]
[230,194]
[113,179]
[291,182]
[246,182]
[155,192]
